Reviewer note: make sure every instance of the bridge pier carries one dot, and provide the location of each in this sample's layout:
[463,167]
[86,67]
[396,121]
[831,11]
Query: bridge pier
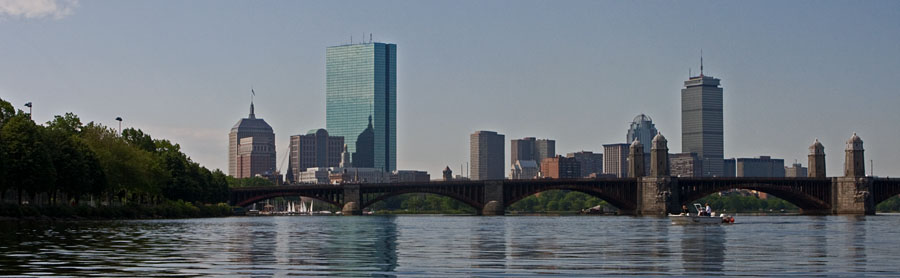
[352,197]
[493,199]
[852,196]
[852,192]
[657,196]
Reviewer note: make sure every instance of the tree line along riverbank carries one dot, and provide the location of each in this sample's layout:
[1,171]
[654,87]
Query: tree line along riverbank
[65,168]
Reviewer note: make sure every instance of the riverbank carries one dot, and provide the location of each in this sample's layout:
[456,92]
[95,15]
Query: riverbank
[170,209]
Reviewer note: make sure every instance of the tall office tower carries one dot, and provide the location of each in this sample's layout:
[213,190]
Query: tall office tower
[486,155]
[591,163]
[643,129]
[615,159]
[361,91]
[701,122]
[247,158]
[314,149]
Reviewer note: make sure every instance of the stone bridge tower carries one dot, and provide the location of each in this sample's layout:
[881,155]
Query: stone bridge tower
[636,159]
[657,193]
[817,160]
[852,192]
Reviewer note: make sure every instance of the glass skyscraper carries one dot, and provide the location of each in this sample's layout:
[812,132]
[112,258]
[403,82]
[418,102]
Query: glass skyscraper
[361,89]
[643,129]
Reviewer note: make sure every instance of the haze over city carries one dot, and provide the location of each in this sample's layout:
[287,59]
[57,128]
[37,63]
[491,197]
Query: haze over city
[575,72]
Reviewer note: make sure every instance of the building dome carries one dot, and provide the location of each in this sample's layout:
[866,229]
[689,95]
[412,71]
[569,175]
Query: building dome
[636,143]
[642,118]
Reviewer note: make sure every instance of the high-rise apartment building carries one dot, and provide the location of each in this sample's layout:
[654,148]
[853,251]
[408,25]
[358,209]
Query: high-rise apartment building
[254,156]
[361,91]
[316,148]
[642,129]
[701,122]
[486,155]
[615,159]
[591,163]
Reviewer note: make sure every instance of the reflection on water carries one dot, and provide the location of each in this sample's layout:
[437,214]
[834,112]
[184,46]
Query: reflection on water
[443,246]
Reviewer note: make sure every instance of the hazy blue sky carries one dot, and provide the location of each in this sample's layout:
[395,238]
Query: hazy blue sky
[573,71]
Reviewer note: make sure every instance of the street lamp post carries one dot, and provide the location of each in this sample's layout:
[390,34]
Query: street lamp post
[120,125]
[28,104]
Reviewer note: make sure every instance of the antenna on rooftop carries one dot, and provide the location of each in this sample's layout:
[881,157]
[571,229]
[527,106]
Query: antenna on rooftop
[351,39]
[370,37]
[701,62]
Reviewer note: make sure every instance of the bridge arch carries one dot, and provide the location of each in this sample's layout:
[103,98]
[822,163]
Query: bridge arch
[810,198]
[371,200]
[256,198]
[610,196]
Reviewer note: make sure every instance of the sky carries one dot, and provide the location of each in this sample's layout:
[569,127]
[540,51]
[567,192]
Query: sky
[573,71]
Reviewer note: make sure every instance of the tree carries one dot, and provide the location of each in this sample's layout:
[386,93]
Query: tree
[27,161]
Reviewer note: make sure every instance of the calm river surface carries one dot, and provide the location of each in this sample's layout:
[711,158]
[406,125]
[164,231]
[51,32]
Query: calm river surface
[442,246]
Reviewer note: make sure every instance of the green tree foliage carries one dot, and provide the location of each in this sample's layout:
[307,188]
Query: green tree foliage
[889,205]
[75,160]
[27,162]
[557,201]
[739,203]
[247,182]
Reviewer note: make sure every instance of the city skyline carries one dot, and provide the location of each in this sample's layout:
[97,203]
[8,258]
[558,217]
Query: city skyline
[807,86]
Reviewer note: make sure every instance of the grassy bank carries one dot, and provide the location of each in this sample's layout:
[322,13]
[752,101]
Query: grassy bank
[170,209]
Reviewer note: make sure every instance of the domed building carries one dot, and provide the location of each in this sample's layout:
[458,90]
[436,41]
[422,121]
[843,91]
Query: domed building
[251,148]
[642,129]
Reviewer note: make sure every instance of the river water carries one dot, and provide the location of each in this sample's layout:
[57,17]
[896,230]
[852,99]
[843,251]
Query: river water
[446,246]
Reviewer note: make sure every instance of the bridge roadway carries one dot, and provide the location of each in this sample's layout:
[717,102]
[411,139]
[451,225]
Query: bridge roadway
[643,193]
[640,196]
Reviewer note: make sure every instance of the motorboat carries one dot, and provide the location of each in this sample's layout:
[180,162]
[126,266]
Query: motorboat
[691,218]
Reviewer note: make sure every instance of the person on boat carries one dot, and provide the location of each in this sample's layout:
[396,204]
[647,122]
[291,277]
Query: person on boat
[708,210]
[684,210]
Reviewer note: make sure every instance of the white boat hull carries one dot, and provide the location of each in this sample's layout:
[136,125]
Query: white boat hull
[693,219]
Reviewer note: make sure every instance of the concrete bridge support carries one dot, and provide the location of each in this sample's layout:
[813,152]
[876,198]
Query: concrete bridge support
[853,191]
[657,196]
[352,200]
[493,198]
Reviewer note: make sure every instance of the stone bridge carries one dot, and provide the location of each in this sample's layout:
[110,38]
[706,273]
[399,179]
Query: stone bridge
[654,193]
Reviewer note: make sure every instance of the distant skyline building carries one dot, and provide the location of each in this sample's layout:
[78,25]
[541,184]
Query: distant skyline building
[361,92]
[560,167]
[763,166]
[590,162]
[486,155]
[524,169]
[251,147]
[316,148]
[530,148]
[685,165]
[796,171]
[702,121]
[615,159]
[643,129]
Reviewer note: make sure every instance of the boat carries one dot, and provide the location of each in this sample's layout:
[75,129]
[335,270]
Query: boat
[690,218]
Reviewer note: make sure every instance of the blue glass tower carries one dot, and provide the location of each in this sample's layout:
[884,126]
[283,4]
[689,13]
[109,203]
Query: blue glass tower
[361,93]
